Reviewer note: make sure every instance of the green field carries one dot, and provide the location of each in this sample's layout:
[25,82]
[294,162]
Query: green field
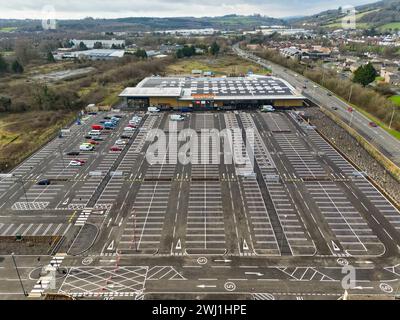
[223,65]
[395,99]
[393,25]
[7,29]
[338,22]
[23,133]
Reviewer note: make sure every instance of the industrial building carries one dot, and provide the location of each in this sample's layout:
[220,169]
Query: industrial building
[212,93]
[94,54]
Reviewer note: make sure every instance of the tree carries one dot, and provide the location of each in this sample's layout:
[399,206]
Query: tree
[97,45]
[214,50]
[5,104]
[365,74]
[25,51]
[3,65]
[82,46]
[186,51]
[50,57]
[140,53]
[16,67]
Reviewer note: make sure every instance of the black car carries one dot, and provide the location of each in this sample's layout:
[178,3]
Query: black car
[97,139]
[117,116]
[107,118]
[73,153]
[88,137]
[124,136]
[44,182]
[92,113]
[103,121]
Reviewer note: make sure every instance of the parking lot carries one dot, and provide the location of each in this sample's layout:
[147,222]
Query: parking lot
[301,198]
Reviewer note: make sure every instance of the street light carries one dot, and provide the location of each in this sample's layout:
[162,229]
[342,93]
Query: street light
[392,117]
[23,187]
[351,92]
[62,156]
[19,277]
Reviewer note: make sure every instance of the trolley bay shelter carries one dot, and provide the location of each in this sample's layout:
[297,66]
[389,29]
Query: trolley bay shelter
[212,93]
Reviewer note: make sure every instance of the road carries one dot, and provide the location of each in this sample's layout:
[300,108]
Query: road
[381,139]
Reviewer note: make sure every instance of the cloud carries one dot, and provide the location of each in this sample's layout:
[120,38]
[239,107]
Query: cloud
[67,9]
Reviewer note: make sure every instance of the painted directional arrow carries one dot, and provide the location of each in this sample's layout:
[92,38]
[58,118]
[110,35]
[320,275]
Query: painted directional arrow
[254,273]
[111,246]
[178,245]
[335,247]
[206,286]
[245,246]
[223,260]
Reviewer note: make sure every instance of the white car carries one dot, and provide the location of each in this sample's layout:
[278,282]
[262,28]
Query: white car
[86,147]
[75,163]
[94,133]
[129,129]
[120,142]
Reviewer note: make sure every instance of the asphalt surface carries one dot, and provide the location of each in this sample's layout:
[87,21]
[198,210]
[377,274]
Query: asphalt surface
[137,229]
[381,139]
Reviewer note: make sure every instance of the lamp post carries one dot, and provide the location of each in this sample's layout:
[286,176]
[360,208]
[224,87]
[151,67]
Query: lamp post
[392,117]
[19,276]
[351,93]
[23,188]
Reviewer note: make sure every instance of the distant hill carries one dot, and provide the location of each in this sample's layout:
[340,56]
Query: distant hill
[383,15]
[228,22]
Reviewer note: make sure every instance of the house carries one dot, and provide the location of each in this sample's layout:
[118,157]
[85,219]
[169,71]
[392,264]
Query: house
[390,76]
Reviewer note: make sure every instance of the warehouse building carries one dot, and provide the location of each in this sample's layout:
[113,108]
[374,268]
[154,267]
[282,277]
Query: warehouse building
[212,93]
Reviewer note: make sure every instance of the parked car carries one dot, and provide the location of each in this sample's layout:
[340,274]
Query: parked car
[75,163]
[86,147]
[93,142]
[107,118]
[115,149]
[73,153]
[120,142]
[97,139]
[44,182]
[88,137]
[126,136]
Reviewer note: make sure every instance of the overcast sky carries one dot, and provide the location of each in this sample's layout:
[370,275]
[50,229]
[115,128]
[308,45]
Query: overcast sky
[71,9]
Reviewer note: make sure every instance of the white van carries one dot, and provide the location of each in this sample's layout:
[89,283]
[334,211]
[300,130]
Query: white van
[177,117]
[267,108]
[153,109]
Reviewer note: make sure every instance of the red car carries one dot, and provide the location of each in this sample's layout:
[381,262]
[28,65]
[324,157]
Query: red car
[97,127]
[373,124]
[79,160]
[132,126]
[93,142]
[115,148]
